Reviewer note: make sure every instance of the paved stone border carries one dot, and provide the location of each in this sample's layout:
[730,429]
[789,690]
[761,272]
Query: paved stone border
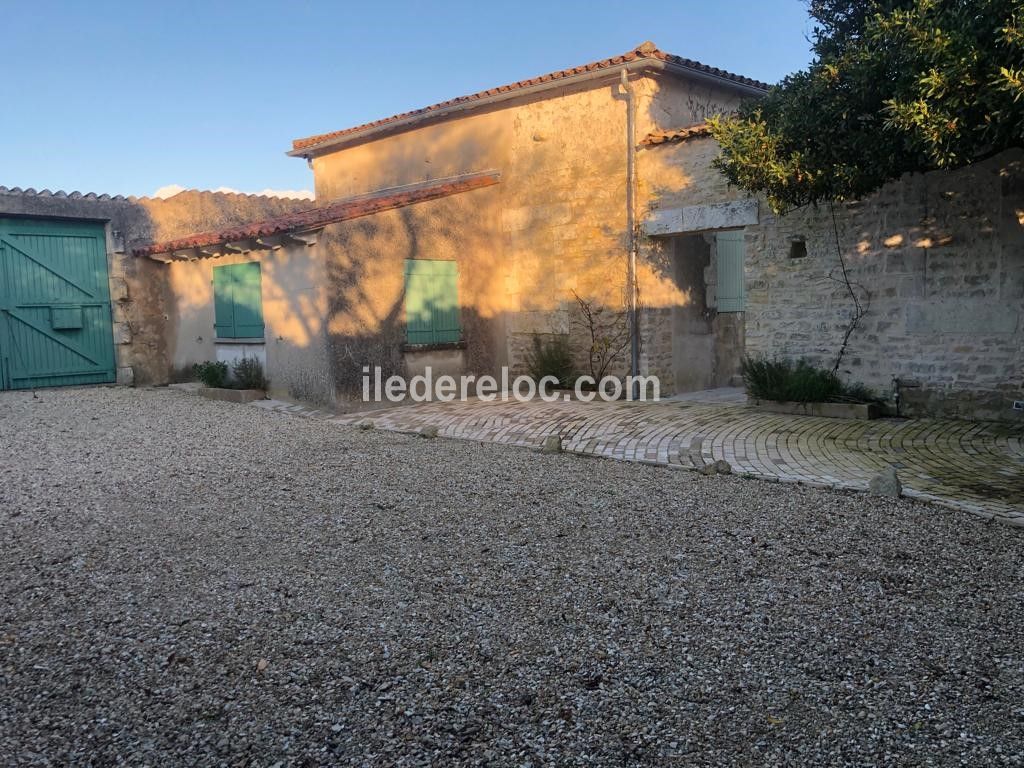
[232,395]
[972,466]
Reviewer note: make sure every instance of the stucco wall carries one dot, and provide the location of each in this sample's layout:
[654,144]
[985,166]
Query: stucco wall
[939,259]
[554,225]
[683,340]
[294,350]
[138,286]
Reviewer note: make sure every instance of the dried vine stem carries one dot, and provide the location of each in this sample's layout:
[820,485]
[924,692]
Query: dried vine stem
[608,332]
[859,308]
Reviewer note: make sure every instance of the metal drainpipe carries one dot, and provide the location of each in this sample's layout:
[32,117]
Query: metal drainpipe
[634,328]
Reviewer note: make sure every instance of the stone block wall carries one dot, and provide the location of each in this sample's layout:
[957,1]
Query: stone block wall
[936,259]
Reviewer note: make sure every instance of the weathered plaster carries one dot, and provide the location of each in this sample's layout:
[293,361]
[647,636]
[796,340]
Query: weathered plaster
[294,349]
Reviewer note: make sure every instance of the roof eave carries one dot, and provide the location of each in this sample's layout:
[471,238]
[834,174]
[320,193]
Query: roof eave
[610,73]
[709,77]
[272,233]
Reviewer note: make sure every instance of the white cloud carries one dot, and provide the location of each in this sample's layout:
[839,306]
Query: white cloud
[169,190]
[305,194]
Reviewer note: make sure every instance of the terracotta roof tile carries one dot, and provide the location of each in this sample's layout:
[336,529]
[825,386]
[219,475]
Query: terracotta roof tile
[315,218]
[76,195]
[60,193]
[675,135]
[645,51]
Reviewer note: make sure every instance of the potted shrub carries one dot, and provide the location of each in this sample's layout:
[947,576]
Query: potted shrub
[247,382]
[784,386]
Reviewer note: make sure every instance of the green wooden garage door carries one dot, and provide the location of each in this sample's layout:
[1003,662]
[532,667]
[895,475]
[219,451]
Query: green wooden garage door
[54,304]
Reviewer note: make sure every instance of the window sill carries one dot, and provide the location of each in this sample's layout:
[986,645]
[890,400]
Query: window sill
[442,347]
[257,340]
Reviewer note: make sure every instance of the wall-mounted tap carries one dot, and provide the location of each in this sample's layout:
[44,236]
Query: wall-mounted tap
[898,385]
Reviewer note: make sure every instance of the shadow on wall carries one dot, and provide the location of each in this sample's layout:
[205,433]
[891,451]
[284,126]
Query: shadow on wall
[155,312]
[294,310]
[365,258]
[555,225]
[365,262]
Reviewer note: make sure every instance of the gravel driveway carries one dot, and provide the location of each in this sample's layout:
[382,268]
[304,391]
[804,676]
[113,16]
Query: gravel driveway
[187,582]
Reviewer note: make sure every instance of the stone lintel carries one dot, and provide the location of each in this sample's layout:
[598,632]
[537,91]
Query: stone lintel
[698,218]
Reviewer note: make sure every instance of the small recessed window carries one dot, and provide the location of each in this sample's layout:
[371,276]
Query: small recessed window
[797,249]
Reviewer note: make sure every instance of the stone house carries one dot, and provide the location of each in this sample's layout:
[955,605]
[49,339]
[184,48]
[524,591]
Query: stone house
[71,256]
[454,235]
[552,222]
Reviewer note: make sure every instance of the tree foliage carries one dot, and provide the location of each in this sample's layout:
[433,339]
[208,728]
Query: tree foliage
[895,86]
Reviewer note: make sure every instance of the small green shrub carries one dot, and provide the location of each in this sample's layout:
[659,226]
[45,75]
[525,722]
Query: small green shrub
[551,358]
[799,382]
[248,373]
[211,374]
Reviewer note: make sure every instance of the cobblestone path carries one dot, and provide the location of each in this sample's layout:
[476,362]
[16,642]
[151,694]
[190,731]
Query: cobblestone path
[977,467]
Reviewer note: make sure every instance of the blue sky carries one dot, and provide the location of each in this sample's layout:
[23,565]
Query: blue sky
[127,97]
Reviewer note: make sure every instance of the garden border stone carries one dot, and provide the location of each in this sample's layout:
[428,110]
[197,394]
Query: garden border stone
[861,411]
[232,395]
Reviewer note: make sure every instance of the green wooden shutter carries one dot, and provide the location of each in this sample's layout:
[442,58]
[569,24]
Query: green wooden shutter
[55,315]
[248,300]
[431,302]
[238,301]
[731,293]
[223,314]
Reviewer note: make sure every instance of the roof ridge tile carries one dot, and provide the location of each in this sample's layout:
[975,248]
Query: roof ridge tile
[60,193]
[646,49]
